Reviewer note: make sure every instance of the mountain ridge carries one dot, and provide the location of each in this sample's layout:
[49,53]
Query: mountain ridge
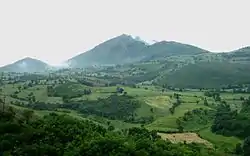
[125,48]
[128,49]
[26,64]
[122,48]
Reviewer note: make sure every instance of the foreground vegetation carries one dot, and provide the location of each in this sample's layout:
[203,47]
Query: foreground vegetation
[62,135]
[125,118]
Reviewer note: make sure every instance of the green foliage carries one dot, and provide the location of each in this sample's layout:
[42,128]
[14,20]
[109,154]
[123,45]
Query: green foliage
[232,123]
[208,75]
[115,107]
[214,94]
[175,104]
[196,119]
[221,142]
[246,146]
[68,90]
[62,135]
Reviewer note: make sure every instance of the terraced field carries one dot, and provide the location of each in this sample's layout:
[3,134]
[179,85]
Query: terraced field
[185,137]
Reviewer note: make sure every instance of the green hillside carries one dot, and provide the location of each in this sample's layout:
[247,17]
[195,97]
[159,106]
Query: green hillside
[26,65]
[119,50]
[125,49]
[208,75]
[165,49]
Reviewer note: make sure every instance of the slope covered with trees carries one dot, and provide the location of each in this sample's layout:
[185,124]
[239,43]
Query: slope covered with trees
[208,75]
[22,134]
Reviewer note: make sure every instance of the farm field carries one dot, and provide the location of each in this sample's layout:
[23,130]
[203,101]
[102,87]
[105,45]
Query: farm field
[151,110]
[185,137]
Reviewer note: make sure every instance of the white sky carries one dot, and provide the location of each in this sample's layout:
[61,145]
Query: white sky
[55,30]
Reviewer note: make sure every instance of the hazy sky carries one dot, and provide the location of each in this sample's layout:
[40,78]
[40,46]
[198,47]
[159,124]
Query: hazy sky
[55,30]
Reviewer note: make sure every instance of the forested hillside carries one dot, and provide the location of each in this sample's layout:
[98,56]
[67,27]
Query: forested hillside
[22,134]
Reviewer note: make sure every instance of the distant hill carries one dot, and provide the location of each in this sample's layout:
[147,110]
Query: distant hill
[208,75]
[171,48]
[26,65]
[119,50]
[126,49]
[245,50]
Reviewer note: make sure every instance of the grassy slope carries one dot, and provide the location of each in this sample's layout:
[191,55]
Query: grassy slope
[153,97]
[208,75]
[40,92]
[220,141]
[168,122]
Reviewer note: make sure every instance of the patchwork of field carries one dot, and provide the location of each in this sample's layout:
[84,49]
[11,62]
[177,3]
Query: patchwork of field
[154,103]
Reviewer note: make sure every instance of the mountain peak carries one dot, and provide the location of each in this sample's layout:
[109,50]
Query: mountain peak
[27,59]
[26,64]
[247,48]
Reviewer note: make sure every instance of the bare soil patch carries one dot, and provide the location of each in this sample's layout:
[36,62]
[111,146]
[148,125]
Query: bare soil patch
[184,137]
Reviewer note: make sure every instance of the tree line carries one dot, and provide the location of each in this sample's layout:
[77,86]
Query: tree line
[60,135]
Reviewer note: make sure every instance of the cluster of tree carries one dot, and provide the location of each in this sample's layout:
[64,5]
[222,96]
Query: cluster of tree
[195,119]
[86,83]
[242,90]
[60,135]
[207,75]
[115,107]
[232,123]
[141,77]
[30,98]
[119,90]
[214,94]
[169,87]
[31,77]
[66,91]
[141,120]
[50,91]
[175,104]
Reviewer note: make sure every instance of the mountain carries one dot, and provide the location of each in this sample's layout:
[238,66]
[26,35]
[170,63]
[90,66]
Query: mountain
[242,52]
[119,50]
[171,48]
[208,75]
[129,49]
[241,55]
[26,65]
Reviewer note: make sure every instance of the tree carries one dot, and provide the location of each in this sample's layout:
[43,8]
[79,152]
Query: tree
[19,87]
[242,98]
[27,114]
[246,146]
[248,89]
[217,98]
[180,128]
[65,98]
[171,110]
[119,90]
[111,128]
[33,98]
[2,101]
[238,149]
[205,102]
